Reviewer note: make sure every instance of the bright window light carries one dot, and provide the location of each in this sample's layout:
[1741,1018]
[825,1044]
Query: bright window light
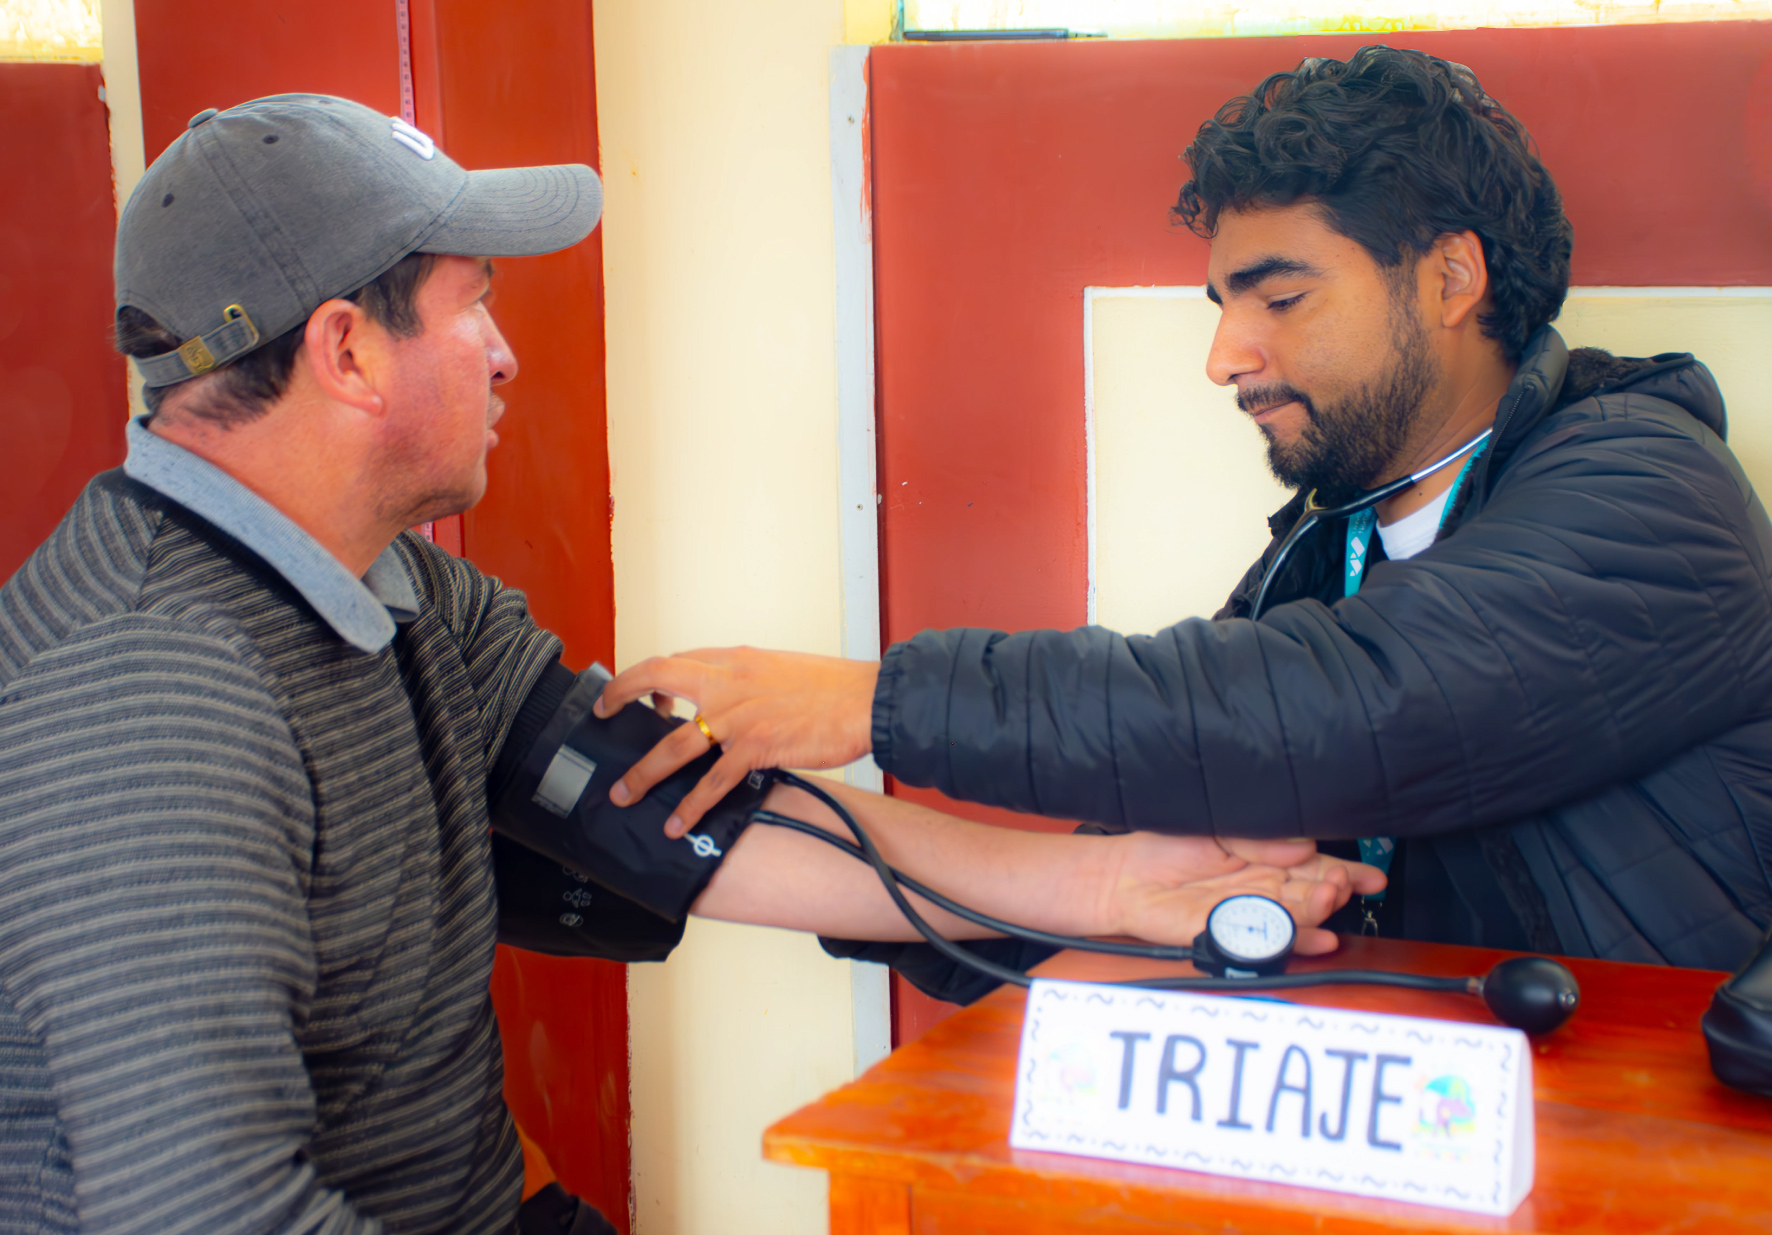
[51,30]
[1193,19]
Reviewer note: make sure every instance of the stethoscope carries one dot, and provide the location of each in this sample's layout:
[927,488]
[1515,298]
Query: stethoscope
[1245,947]
[1315,513]
[1248,938]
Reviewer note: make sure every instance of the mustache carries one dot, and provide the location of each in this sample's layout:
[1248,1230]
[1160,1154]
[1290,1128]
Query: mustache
[1260,398]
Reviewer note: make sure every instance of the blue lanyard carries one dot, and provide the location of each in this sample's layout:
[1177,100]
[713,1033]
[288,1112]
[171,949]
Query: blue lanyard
[1378,850]
[1362,526]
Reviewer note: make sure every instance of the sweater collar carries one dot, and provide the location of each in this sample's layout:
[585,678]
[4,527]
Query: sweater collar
[363,612]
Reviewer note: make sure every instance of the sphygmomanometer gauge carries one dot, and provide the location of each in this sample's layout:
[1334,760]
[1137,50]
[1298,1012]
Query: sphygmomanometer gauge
[1246,936]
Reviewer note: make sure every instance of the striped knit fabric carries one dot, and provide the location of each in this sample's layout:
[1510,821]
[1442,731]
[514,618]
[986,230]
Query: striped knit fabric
[247,911]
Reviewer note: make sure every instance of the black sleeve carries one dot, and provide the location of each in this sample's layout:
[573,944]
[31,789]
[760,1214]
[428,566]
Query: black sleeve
[1605,610]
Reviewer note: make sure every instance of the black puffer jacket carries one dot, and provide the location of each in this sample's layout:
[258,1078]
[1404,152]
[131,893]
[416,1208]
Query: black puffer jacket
[1564,706]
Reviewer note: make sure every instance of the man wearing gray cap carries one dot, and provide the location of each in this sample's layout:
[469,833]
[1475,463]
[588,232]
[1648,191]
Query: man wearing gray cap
[253,734]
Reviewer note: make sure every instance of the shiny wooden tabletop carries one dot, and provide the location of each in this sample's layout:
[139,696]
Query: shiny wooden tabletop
[1634,1133]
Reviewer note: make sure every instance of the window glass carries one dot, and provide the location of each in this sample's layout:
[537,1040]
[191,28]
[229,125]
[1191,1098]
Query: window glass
[50,30]
[1145,19]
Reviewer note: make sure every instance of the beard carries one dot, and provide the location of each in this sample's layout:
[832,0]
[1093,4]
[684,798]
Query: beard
[417,485]
[1347,446]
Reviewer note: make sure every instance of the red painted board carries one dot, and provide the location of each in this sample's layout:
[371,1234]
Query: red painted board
[516,93]
[62,390]
[216,53]
[1009,177]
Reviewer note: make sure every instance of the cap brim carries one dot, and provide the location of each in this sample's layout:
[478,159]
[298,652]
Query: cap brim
[519,212]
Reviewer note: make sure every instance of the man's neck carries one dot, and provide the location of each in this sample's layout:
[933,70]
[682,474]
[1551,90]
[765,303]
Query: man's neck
[1472,410]
[309,484]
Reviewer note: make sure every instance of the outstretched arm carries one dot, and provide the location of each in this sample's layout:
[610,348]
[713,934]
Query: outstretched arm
[1157,888]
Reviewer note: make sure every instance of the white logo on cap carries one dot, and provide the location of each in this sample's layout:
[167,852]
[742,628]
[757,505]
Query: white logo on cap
[414,140]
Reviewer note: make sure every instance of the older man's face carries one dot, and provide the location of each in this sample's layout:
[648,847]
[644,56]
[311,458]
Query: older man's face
[1327,350]
[443,400]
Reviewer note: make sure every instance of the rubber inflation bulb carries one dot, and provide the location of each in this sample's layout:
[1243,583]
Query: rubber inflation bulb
[1533,993]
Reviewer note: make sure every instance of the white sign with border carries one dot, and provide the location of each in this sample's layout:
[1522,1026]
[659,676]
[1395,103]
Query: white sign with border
[1399,1107]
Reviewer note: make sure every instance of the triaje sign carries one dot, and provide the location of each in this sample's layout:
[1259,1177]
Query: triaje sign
[1436,1112]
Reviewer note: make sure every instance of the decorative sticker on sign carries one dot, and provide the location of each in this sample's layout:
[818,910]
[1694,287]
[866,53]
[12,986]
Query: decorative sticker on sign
[1434,1112]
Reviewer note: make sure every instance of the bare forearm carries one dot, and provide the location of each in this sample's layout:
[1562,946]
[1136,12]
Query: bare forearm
[776,877]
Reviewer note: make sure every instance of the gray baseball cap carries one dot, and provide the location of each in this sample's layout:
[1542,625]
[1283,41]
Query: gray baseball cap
[256,216]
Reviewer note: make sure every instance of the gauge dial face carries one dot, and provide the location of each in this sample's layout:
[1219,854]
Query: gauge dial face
[1251,928]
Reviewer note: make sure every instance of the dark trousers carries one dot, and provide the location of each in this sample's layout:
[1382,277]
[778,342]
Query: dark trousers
[555,1211]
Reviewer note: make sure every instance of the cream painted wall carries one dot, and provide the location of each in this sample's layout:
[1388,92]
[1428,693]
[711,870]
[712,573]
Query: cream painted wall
[123,100]
[723,457]
[1180,490]
[123,97]
[868,21]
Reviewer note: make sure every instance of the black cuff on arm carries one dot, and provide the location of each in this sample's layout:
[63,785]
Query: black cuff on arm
[937,976]
[551,795]
[543,907]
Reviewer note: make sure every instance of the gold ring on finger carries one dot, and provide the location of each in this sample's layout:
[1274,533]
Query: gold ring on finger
[705,731]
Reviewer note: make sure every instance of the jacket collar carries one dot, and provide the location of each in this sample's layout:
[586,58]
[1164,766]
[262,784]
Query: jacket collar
[362,612]
[1530,397]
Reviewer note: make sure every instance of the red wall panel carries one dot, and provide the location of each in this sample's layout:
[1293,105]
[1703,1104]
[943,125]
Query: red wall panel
[195,54]
[62,399]
[517,93]
[1009,177]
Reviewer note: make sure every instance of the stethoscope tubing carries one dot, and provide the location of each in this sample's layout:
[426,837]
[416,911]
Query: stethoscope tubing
[1315,514]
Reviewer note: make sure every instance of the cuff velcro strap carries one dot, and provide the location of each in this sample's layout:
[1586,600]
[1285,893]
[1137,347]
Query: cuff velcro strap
[558,804]
[194,357]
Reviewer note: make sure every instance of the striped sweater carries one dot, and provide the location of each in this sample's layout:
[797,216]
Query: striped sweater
[247,911]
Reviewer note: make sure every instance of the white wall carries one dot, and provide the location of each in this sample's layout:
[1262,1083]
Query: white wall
[723,454]
[1180,488]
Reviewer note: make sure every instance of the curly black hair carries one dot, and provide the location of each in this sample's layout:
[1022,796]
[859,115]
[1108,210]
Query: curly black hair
[1398,148]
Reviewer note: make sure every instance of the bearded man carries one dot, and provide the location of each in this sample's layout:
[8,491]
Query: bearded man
[1513,636]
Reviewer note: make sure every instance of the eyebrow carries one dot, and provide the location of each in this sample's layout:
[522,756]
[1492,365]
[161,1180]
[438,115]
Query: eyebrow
[1258,272]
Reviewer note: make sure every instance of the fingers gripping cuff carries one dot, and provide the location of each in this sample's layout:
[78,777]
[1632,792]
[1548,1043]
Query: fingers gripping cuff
[557,804]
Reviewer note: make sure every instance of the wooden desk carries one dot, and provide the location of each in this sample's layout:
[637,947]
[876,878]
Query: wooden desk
[1634,1133]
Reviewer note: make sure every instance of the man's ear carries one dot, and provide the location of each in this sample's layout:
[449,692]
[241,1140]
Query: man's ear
[345,352]
[1462,273]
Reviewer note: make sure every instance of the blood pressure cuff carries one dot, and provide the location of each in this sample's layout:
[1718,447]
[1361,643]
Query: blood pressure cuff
[550,794]
[548,908]
[1738,1026]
